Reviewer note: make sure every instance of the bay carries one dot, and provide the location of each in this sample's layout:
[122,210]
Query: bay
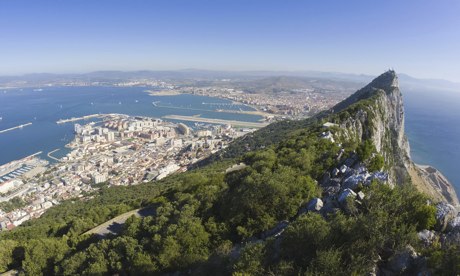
[44,107]
[432,119]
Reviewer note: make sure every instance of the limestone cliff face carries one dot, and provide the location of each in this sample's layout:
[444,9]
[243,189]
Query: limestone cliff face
[376,112]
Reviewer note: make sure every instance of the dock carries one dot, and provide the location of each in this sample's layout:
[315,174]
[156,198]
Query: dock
[63,121]
[16,127]
[215,121]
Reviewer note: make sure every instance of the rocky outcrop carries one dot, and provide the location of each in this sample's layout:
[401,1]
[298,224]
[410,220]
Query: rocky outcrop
[380,118]
[447,227]
[427,237]
[407,261]
[315,205]
[451,238]
[378,115]
[444,214]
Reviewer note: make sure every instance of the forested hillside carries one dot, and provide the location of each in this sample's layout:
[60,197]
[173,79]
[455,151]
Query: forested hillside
[323,196]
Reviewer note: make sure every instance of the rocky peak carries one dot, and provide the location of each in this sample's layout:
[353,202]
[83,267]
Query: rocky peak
[385,91]
[387,82]
[376,112]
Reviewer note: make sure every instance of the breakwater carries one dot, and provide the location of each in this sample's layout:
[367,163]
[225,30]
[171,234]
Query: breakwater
[63,121]
[16,127]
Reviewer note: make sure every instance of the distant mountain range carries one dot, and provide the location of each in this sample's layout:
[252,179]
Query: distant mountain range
[197,74]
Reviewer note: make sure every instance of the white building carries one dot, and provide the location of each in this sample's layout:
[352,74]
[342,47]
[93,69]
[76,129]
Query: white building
[110,136]
[99,178]
[9,185]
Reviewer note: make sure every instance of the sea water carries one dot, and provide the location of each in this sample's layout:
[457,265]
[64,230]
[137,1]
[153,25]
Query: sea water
[44,107]
[432,119]
[433,129]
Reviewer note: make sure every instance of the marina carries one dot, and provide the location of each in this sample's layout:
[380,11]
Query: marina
[18,168]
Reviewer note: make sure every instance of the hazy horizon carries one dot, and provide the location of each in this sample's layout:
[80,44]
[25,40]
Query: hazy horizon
[360,37]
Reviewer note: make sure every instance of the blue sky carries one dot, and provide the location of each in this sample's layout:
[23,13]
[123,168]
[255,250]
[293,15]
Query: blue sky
[420,38]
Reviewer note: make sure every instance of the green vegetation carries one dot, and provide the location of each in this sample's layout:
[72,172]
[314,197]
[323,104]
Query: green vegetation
[347,245]
[376,163]
[365,150]
[444,261]
[202,216]
[209,222]
[14,203]
[368,154]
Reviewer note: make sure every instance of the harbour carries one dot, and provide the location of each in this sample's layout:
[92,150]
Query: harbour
[18,168]
[70,105]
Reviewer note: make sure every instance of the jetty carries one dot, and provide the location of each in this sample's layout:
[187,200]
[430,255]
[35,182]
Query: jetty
[52,157]
[215,121]
[74,119]
[16,127]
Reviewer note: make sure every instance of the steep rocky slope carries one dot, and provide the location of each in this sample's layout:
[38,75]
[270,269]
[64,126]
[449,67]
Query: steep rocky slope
[379,116]
[376,113]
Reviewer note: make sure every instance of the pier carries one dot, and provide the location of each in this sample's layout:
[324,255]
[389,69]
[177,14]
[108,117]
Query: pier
[52,157]
[63,121]
[215,121]
[16,127]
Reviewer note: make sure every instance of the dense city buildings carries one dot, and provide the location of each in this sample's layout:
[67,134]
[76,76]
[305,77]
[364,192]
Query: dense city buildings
[118,150]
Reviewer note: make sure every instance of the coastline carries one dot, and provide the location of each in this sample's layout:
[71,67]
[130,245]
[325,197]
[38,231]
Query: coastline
[163,92]
[256,110]
[48,135]
[432,182]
